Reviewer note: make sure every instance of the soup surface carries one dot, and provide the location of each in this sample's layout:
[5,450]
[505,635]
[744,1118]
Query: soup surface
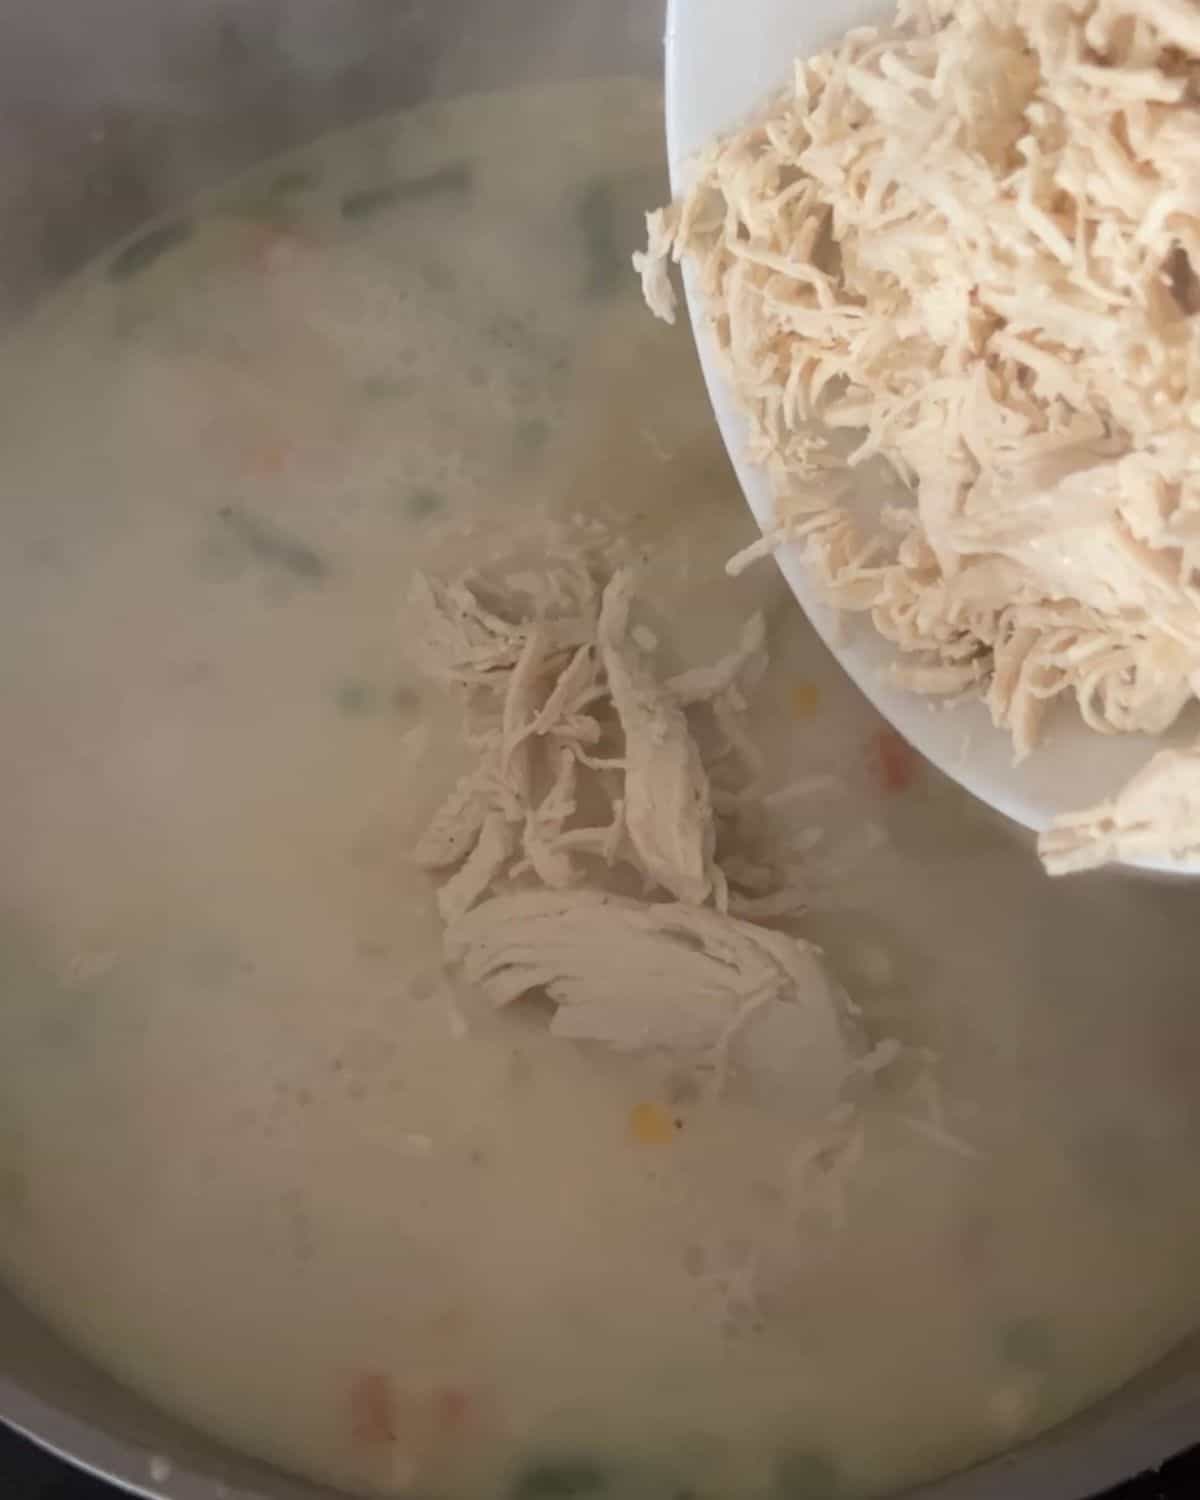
[246,1158]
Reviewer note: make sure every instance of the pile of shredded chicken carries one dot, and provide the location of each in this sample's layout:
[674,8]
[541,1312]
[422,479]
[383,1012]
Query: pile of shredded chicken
[612,848]
[964,246]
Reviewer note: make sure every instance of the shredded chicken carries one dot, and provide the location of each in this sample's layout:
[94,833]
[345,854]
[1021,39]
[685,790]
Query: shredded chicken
[1157,813]
[492,852]
[667,807]
[468,636]
[559,878]
[579,859]
[582,750]
[966,246]
[661,975]
[455,830]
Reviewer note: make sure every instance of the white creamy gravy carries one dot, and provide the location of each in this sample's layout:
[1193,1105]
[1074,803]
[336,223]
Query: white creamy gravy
[243,1159]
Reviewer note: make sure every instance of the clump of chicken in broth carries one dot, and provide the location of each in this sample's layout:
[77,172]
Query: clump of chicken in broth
[347,1215]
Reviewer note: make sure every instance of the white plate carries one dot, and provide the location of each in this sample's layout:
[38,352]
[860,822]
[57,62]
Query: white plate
[723,57]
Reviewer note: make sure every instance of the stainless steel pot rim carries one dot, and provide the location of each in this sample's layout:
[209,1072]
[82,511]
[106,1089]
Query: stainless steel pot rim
[1136,1429]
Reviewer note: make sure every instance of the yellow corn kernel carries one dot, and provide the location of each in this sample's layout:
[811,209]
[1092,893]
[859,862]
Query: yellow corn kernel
[650,1125]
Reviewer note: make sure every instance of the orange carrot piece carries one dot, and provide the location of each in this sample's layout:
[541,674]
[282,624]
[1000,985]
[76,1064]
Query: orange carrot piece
[267,456]
[373,1415]
[895,763]
[451,1408]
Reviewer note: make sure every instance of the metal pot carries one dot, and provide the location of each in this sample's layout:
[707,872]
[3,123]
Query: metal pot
[109,112]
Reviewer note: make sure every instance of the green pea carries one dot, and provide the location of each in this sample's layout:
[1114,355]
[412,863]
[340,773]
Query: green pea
[561,1479]
[596,215]
[806,1475]
[355,697]
[294,180]
[365,203]
[275,548]
[149,246]
[608,213]
[423,503]
[530,436]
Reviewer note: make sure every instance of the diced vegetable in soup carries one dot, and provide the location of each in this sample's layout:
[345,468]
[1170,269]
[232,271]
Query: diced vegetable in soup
[271,1161]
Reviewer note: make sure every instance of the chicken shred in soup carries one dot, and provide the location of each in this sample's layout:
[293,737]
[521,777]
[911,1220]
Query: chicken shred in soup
[258,1155]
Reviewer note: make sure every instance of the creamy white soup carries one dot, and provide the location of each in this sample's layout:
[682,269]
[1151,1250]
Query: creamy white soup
[250,1158]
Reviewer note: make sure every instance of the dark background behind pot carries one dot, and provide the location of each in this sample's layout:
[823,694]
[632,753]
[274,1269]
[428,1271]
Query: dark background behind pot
[26,1473]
